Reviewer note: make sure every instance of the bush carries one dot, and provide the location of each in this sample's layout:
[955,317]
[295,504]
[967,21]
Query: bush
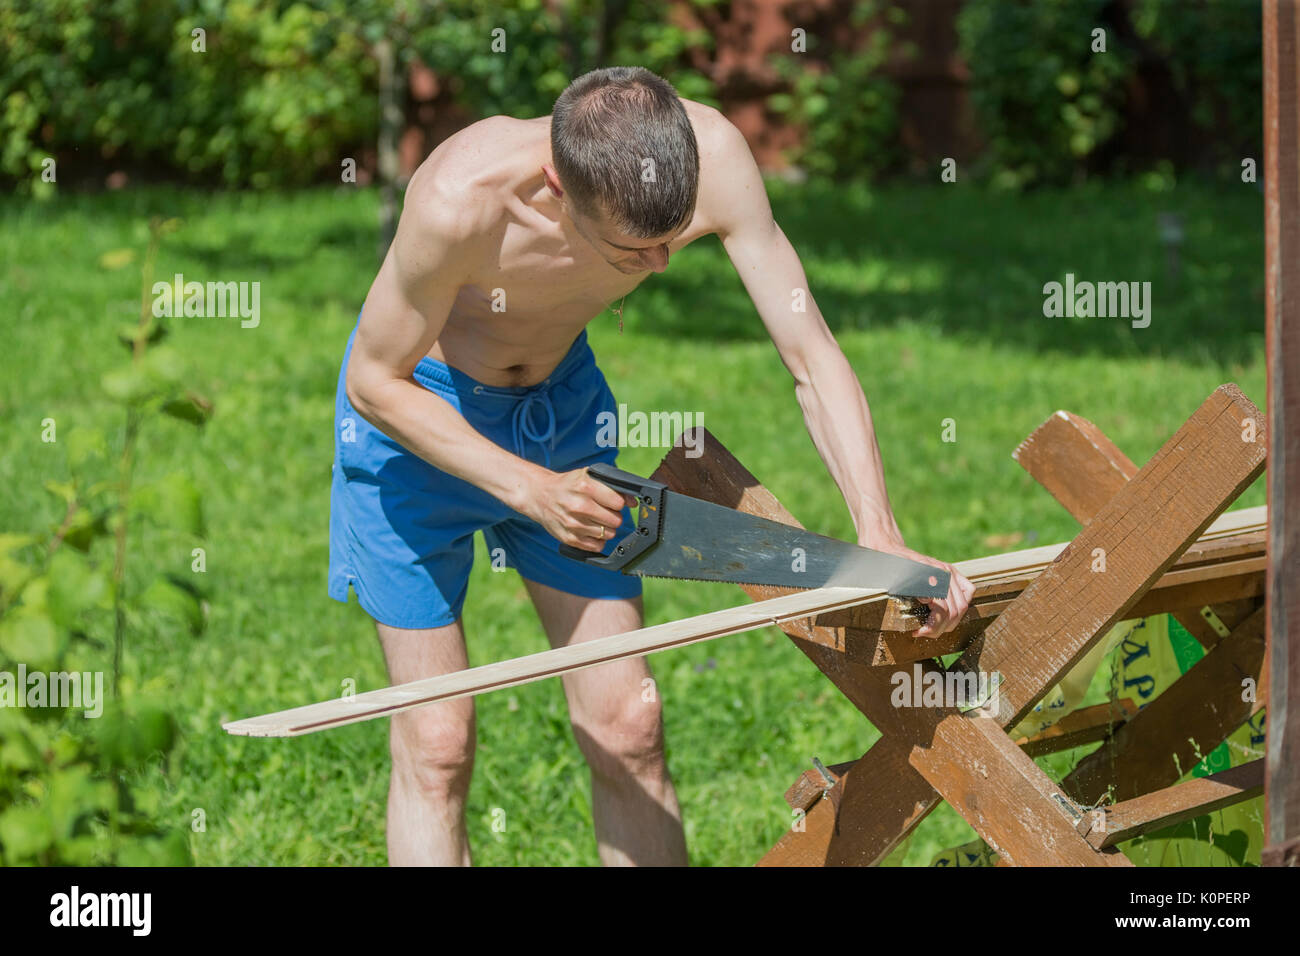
[1214,52]
[276,93]
[1049,107]
[1045,101]
[266,93]
[843,103]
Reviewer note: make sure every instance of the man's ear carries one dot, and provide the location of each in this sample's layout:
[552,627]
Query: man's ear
[552,180]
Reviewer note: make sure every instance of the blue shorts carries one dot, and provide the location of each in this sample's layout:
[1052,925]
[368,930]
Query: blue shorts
[402,531]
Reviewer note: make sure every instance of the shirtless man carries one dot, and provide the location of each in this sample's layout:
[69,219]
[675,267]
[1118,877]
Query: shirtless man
[468,401]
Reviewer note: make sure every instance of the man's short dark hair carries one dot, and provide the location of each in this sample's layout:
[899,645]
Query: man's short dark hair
[624,149]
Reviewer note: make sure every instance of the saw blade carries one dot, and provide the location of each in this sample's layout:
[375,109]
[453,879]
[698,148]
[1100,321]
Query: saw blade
[702,541]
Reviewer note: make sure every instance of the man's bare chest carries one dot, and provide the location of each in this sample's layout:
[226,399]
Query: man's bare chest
[511,326]
[529,287]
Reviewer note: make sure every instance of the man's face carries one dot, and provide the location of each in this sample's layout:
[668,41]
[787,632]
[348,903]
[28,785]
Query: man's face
[625,253]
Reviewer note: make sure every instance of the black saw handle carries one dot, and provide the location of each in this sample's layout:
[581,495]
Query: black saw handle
[649,496]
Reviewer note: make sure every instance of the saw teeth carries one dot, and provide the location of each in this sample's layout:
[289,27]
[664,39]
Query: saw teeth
[757,584]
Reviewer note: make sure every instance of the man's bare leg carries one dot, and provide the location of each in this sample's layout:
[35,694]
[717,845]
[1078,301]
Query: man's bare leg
[617,720]
[432,751]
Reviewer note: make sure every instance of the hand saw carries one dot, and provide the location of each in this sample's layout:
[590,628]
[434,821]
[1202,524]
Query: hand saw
[678,536]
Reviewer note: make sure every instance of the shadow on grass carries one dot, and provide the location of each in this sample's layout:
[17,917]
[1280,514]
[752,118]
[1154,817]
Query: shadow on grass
[972,264]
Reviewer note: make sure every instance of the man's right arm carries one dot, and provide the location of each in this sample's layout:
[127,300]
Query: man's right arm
[403,316]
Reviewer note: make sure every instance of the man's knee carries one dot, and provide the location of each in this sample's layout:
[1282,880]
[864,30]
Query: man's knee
[624,739]
[434,747]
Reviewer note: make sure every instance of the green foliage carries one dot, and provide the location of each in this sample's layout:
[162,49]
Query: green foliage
[1045,101]
[1214,52]
[72,788]
[70,784]
[842,101]
[648,35]
[281,89]
[277,92]
[545,45]
[1049,106]
[269,93]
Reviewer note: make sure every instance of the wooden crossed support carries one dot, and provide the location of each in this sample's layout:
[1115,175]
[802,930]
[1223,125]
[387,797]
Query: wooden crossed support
[1205,705]
[1142,523]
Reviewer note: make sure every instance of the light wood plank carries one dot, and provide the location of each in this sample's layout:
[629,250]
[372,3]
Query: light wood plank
[550,663]
[1182,586]
[1235,535]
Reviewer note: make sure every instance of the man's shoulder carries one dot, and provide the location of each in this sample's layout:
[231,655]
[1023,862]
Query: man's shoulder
[714,133]
[730,183]
[461,188]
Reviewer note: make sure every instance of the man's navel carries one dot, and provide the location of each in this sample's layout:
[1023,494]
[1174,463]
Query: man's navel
[517,375]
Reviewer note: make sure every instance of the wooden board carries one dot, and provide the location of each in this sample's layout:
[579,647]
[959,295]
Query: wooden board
[1173,805]
[1235,535]
[1169,735]
[1186,585]
[812,786]
[877,802]
[1081,468]
[1076,463]
[1087,725]
[550,663]
[1021,813]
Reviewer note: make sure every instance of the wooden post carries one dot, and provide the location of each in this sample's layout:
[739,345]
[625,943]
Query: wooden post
[1282,271]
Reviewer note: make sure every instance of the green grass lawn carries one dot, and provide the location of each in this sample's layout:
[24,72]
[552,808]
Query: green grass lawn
[935,294]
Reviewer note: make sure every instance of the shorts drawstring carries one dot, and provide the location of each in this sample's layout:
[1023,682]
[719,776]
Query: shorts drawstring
[522,424]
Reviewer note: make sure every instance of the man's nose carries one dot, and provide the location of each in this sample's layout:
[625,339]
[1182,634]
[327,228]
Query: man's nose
[656,259]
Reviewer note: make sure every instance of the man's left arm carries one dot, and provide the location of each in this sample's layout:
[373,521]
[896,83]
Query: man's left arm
[834,406]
